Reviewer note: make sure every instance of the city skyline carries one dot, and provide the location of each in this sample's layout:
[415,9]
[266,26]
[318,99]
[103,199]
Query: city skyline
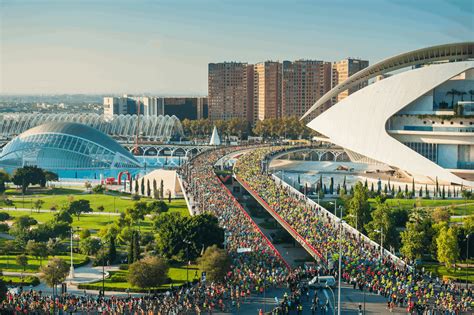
[162,48]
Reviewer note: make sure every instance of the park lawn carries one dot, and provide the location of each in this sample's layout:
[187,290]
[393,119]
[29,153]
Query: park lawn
[33,191]
[16,280]
[90,221]
[459,204]
[178,205]
[453,273]
[118,279]
[110,203]
[95,222]
[7,262]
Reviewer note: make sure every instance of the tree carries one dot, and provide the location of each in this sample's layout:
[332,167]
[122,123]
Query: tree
[37,250]
[453,93]
[85,233]
[77,207]
[200,230]
[7,249]
[4,177]
[88,185]
[22,261]
[137,213]
[382,220]
[448,250]
[28,175]
[157,207]
[418,235]
[215,262]
[136,246]
[38,204]
[162,189]
[112,254]
[50,176]
[359,207]
[148,273]
[148,188]
[441,215]
[90,246]
[54,272]
[3,287]
[63,216]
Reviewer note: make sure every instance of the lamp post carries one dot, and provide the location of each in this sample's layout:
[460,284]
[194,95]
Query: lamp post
[333,298]
[356,217]
[381,241]
[103,268]
[341,222]
[71,269]
[467,260]
[185,241]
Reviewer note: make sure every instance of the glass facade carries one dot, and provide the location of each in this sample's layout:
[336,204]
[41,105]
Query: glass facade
[66,146]
[428,150]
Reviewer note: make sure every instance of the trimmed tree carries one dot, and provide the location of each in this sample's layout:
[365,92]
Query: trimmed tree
[148,273]
[215,262]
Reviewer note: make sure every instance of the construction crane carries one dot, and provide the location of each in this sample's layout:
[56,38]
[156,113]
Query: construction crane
[137,134]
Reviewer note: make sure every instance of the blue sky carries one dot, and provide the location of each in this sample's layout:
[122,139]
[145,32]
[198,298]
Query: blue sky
[163,47]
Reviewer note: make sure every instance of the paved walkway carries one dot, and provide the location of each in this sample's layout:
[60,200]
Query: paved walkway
[55,211]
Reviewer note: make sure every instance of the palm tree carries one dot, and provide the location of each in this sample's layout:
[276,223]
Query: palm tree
[452,92]
[462,93]
[471,93]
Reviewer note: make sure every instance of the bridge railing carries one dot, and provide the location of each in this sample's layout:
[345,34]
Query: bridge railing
[334,218]
[308,247]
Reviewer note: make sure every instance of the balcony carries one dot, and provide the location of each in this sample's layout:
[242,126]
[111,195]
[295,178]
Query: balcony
[438,129]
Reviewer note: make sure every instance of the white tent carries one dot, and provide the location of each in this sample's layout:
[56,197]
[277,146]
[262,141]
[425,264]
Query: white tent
[215,139]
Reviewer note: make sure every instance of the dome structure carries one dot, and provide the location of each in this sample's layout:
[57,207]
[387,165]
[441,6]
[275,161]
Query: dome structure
[65,145]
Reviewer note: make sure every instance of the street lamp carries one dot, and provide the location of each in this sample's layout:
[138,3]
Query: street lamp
[333,298]
[381,241]
[467,261]
[341,222]
[185,241]
[335,207]
[103,268]
[71,269]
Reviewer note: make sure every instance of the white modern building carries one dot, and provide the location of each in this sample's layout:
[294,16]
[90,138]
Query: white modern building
[419,118]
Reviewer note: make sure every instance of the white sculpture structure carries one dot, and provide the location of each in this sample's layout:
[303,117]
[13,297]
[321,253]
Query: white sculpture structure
[215,139]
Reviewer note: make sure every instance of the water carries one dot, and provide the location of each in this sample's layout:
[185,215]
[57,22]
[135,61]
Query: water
[150,164]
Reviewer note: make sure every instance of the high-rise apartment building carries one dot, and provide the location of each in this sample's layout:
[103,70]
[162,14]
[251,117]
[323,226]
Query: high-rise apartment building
[267,90]
[303,83]
[181,107]
[343,69]
[115,106]
[131,105]
[228,87]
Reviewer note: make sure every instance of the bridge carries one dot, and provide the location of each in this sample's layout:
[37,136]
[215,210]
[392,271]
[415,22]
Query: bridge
[333,154]
[169,150]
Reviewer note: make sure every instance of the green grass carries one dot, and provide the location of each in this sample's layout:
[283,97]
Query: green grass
[27,281]
[95,222]
[453,273]
[7,262]
[177,273]
[109,202]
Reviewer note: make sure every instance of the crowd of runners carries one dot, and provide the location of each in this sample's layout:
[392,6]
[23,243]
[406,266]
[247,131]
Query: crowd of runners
[362,262]
[256,264]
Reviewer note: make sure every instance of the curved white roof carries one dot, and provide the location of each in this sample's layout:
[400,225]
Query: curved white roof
[455,51]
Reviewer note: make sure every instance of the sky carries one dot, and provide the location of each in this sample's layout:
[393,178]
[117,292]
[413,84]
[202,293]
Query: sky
[164,47]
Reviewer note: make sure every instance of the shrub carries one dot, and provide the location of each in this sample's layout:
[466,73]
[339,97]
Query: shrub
[98,189]
[4,216]
[135,197]
[4,227]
